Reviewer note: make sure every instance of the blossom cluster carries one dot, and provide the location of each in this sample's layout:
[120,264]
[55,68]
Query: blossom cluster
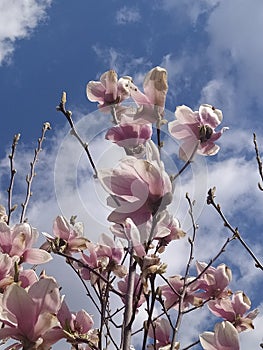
[127,264]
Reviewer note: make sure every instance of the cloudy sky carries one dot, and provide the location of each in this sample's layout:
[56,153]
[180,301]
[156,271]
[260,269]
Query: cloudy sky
[213,52]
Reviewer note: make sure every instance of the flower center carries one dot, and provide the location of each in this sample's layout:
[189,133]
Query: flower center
[205,133]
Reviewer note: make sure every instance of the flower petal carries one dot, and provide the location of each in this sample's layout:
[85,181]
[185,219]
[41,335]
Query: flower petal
[17,301]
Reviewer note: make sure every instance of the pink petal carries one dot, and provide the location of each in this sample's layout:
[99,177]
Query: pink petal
[155,86]
[187,148]
[5,238]
[45,294]
[185,115]
[27,278]
[84,321]
[181,131]
[45,322]
[61,228]
[109,81]
[64,316]
[17,301]
[95,91]
[207,340]
[210,116]
[227,336]
[36,256]
[12,332]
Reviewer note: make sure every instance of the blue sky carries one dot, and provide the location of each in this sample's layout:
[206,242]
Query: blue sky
[212,50]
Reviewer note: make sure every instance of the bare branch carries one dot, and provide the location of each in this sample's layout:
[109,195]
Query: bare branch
[30,177]
[12,178]
[236,233]
[68,115]
[259,161]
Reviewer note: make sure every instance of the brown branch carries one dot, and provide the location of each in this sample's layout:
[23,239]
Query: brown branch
[259,161]
[236,233]
[68,114]
[187,163]
[184,288]
[12,178]
[30,177]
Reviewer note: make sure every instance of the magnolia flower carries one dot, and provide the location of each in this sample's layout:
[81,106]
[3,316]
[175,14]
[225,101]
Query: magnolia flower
[18,241]
[197,130]
[68,237]
[152,102]
[130,136]
[234,310]
[167,228]
[214,281]
[130,232]
[224,337]
[109,90]
[160,331]
[29,316]
[103,257]
[138,189]
[172,293]
[10,270]
[77,326]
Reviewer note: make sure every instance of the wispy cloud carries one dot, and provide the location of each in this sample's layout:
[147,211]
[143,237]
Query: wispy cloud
[123,62]
[17,21]
[127,15]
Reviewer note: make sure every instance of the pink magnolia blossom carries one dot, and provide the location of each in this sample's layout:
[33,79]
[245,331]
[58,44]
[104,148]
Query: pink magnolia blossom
[18,241]
[224,337]
[109,90]
[130,232]
[138,189]
[29,316]
[77,326]
[130,136]
[160,332]
[234,310]
[7,265]
[173,291]
[152,102]
[103,257]
[196,130]
[10,270]
[214,281]
[167,228]
[68,237]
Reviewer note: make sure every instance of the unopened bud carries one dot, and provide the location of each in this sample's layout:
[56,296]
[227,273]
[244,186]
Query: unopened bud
[64,97]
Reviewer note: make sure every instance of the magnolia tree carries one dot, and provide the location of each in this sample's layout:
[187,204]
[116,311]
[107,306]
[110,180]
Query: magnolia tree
[124,272]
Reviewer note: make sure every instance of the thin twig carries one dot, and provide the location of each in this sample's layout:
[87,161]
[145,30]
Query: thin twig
[85,266]
[68,115]
[259,161]
[191,345]
[184,288]
[128,313]
[84,284]
[189,161]
[236,233]
[12,178]
[30,177]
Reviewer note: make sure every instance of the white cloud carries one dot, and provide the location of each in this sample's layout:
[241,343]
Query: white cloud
[235,52]
[124,63]
[17,20]
[127,15]
[193,9]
